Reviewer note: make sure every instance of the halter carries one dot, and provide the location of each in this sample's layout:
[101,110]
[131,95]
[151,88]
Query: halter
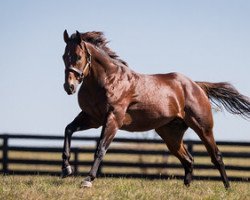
[82,73]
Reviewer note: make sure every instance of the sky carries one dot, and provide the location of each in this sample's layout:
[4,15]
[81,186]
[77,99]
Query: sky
[206,40]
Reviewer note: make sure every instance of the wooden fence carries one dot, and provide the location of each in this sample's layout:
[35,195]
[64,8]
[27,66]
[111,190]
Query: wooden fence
[135,150]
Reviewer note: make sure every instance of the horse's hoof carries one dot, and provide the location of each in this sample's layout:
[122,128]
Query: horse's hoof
[187,182]
[67,171]
[86,184]
[227,186]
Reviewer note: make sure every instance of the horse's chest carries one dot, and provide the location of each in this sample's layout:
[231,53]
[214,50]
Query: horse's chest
[94,104]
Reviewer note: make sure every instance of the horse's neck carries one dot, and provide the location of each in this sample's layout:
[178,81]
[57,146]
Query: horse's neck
[102,66]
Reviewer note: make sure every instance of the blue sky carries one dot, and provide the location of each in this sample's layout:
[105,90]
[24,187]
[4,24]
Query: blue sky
[205,40]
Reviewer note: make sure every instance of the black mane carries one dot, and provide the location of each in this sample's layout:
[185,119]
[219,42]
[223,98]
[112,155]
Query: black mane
[98,39]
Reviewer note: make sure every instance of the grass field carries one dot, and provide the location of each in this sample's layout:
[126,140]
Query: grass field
[49,188]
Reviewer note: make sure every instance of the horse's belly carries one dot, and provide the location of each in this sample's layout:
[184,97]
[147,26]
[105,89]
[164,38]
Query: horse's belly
[144,121]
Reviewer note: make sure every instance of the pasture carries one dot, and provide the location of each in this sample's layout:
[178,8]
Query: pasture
[49,187]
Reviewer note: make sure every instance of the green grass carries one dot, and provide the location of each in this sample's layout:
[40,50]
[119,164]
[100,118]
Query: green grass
[49,188]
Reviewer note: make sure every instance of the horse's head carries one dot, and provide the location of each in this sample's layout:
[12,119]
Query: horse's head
[77,60]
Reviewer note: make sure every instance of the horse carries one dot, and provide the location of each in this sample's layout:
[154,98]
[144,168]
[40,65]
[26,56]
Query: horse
[115,97]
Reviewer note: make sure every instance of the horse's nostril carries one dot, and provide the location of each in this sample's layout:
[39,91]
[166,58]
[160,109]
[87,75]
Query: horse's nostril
[71,87]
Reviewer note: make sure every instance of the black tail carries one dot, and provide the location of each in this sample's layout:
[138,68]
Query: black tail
[225,94]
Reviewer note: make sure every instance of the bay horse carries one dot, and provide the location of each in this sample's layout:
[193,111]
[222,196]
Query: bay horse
[115,97]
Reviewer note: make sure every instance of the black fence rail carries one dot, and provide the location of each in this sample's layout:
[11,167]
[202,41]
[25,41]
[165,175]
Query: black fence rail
[122,146]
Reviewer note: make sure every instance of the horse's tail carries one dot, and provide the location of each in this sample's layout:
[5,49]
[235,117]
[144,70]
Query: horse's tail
[225,94]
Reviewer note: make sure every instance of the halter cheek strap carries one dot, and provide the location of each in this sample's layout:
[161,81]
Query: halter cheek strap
[86,68]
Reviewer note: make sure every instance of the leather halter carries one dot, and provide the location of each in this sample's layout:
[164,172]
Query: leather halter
[81,74]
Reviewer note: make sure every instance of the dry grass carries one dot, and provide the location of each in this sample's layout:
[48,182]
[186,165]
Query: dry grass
[47,187]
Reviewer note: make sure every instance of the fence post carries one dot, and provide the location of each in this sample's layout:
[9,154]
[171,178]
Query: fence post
[5,154]
[190,147]
[76,161]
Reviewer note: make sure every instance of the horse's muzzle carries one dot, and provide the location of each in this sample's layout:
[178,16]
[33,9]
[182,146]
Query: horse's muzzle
[69,88]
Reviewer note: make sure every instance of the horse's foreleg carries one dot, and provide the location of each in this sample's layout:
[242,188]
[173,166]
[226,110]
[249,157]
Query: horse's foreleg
[107,135]
[81,122]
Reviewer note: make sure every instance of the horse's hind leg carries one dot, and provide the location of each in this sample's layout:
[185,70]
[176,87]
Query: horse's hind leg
[204,128]
[172,135]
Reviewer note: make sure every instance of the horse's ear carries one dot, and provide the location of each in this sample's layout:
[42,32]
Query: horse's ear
[78,37]
[65,36]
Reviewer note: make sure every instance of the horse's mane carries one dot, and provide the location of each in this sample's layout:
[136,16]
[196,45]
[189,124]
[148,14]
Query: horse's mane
[98,39]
